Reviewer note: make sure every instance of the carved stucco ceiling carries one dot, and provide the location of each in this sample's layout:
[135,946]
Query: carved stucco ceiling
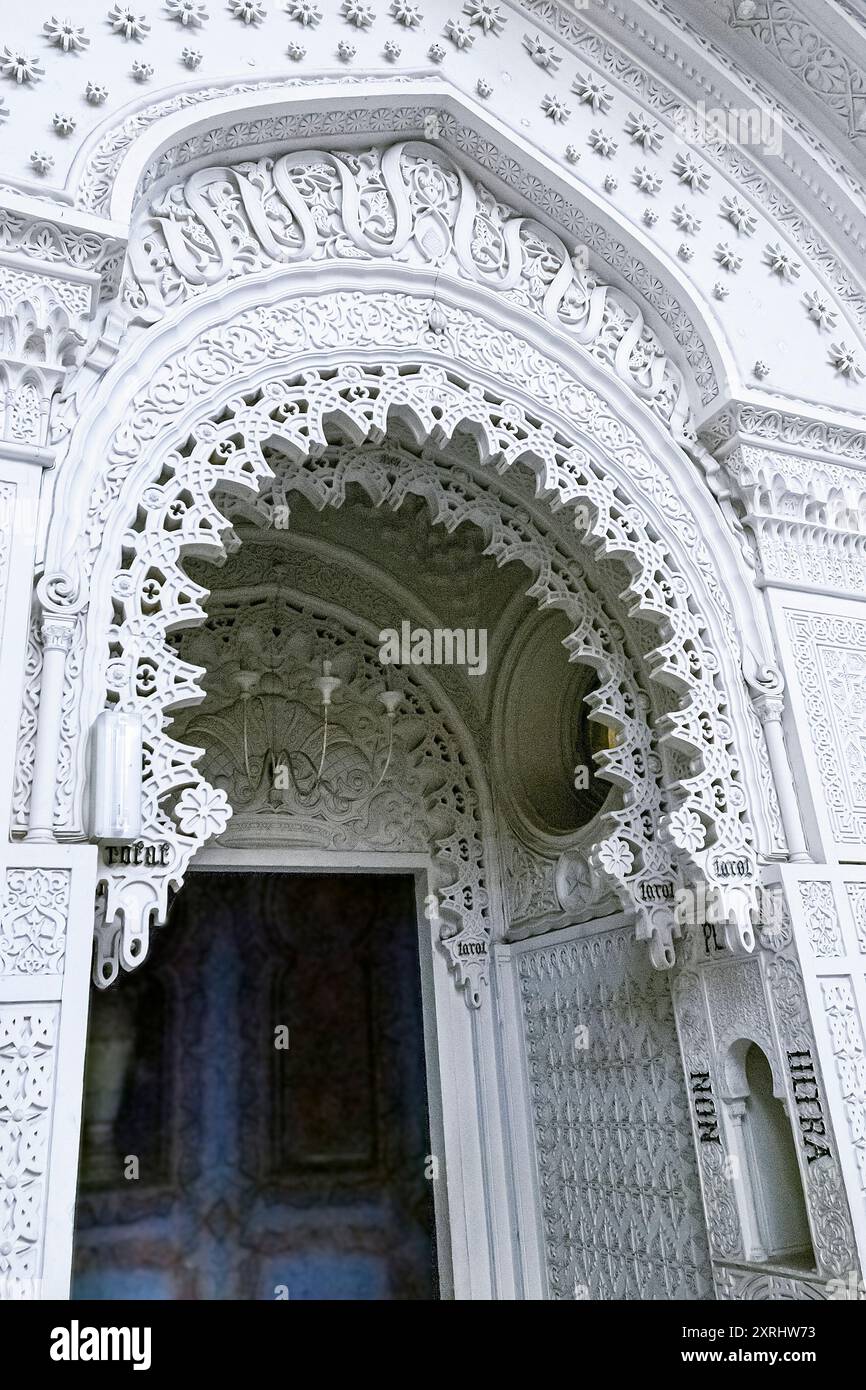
[448,571]
[592,98]
[389,568]
[444,575]
[296,560]
[412,570]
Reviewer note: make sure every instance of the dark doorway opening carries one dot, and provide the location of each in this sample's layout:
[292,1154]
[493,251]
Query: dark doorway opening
[255,1117]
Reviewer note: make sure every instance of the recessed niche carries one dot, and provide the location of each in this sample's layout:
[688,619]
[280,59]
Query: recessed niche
[545,741]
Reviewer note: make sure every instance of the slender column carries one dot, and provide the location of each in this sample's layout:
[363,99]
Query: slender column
[768,700]
[57,635]
[742,1179]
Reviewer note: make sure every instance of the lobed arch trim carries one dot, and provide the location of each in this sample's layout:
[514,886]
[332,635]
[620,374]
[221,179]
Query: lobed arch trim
[561,407]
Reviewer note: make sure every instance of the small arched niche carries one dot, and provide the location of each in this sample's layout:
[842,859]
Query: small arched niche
[771,1183]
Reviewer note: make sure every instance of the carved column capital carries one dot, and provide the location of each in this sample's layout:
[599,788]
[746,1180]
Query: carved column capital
[799,483]
[57,633]
[769,709]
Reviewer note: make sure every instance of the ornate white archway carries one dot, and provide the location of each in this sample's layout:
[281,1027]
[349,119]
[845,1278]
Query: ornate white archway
[450,366]
[593,295]
[135,680]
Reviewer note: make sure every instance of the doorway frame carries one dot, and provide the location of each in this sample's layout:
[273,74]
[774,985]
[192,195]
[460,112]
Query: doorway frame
[474,1211]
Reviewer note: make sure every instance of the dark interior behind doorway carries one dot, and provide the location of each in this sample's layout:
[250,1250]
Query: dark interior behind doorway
[219,1162]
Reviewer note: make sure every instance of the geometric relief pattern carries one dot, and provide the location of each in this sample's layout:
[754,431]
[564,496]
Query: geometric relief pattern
[845,676]
[849,1054]
[619,1187]
[827,72]
[27,721]
[33,923]
[28,1035]
[857,900]
[822,921]
[738,1007]
[830,655]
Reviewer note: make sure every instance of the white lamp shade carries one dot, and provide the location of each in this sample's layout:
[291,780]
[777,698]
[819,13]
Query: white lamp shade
[116,776]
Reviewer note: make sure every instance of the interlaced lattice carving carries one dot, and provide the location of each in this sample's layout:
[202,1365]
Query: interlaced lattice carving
[453,498]
[408,202]
[28,1042]
[299,416]
[610,1121]
[427,800]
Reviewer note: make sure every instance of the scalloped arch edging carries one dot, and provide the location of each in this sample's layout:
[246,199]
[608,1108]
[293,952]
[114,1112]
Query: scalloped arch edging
[709,816]
[146,674]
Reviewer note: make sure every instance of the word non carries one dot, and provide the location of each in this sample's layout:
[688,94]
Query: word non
[705,1107]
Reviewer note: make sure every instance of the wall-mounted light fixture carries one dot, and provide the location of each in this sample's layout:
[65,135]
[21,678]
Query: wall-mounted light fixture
[115,772]
[300,769]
